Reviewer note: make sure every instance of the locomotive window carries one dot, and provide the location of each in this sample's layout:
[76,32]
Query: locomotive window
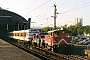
[57,34]
[49,34]
[68,34]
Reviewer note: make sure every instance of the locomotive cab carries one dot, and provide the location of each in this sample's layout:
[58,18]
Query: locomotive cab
[56,38]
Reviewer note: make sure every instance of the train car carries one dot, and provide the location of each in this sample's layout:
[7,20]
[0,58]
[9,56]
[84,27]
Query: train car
[39,41]
[23,35]
[51,40]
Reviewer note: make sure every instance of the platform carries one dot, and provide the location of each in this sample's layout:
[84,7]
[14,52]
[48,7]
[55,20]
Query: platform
[10,52]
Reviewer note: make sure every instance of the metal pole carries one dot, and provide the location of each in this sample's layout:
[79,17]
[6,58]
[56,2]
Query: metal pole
[7,26]
[29,23]
[55,16]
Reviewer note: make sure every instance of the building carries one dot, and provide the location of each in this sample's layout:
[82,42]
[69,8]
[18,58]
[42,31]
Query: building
[11,20]
[75,21]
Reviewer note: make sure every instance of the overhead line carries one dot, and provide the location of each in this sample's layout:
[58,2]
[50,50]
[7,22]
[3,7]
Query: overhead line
[39,7]
[62,4]
[35,8]
[59,5]
[32,4]
[65,2]
[79,7]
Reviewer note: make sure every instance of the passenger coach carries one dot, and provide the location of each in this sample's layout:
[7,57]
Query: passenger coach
[23,35]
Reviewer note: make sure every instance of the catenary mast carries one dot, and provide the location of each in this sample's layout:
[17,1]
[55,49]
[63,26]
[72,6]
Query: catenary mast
[55,16]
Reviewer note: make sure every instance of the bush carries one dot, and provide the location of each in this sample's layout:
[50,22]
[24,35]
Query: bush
[74,41]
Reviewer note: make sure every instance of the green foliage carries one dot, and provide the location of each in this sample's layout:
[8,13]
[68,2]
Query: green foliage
[76,29]
[78,25]
[80,30]
[86,29]
[74,41]
[46,29]
[73,29]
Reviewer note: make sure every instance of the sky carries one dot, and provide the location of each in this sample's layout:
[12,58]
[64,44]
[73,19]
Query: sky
[40,11]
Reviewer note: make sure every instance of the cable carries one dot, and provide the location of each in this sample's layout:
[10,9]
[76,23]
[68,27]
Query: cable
[65,2]
[27,8]
[39,6]
[59,5]
[76,3]
[32,4]
[79,7]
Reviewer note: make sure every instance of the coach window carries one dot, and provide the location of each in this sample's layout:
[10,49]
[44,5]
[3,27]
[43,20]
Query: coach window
[24,34]
[18,34]
[12,34]
[21,34]
[15,34]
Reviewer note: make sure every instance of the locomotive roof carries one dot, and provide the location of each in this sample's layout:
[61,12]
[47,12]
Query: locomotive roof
[56,30]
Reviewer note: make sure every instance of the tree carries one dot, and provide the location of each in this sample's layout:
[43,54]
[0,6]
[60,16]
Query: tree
[78,25]
[86,29]
[73,29]
[79,30]
[46,29]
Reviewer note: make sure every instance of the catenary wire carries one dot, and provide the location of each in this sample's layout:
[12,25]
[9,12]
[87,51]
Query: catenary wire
[38,7]
[76,8]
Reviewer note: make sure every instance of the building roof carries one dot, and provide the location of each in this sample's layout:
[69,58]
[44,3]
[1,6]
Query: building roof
[9,15]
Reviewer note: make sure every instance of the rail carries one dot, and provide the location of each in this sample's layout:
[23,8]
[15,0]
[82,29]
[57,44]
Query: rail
[49,55]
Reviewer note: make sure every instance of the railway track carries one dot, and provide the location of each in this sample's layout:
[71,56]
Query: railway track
[44,54]
[33,52]
[40,53]
[49,55]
